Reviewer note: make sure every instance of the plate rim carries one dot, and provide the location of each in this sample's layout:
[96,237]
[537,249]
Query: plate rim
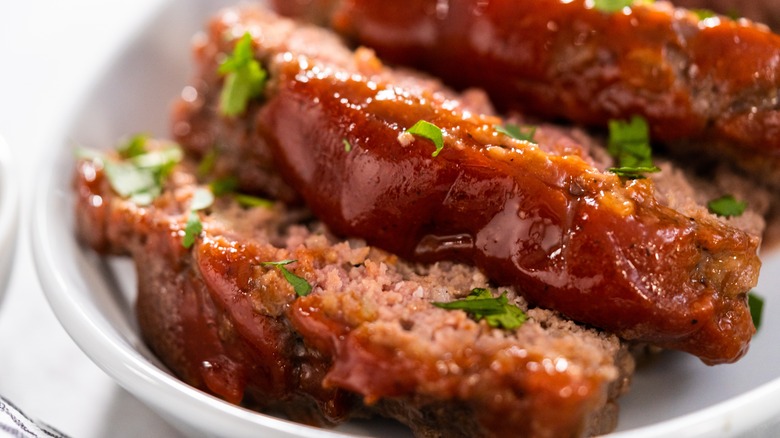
[9,214]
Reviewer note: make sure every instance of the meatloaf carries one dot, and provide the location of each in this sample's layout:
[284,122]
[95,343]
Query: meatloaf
[707,85]
[541,215]
[365,340]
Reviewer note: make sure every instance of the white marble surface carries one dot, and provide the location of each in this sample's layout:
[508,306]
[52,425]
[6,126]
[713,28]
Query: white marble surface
[49,51]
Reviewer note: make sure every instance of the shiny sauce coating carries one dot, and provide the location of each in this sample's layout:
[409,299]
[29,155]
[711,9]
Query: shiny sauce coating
[599,249]
[710,84]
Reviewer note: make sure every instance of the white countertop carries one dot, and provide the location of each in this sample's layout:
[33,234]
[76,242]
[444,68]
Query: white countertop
[49,51]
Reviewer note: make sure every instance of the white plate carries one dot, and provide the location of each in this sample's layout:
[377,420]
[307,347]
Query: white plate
[674,396]
[9,214]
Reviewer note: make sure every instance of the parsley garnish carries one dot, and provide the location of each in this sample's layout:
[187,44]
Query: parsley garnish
[223,186]
[615,5]
[703,14]
[347,145]
[726,206]
[252,201]
[756,304]
[299,284]
[228,185]
[629,143]
[516,132]
[480,304]
[244,80]
[208,163]
[193,229]
[141,175]
[431,132]
[133,147]
[201,199]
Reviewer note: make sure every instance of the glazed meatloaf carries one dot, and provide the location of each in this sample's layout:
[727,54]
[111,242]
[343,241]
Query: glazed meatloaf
[365,339]
[540,214]
[707,84]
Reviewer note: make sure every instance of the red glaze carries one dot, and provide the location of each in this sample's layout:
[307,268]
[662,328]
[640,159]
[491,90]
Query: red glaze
[714,81]
[511,396]
[600,250]
[227,325]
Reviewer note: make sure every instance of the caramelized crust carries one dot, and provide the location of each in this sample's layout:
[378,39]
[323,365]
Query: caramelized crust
[599,249]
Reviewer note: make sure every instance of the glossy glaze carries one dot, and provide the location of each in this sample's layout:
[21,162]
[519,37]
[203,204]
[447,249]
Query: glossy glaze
[711,85]
[598,249]
[231,327]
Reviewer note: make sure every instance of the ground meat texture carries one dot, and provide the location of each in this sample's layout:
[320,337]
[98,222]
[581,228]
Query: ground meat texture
[706,87]
[367,340]
[599,249]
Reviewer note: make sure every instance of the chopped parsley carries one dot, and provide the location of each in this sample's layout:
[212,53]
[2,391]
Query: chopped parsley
[192,230]
[244,78]
[756,304]
[347,145]
[208,163]
[201,199]
[252,201]
[299,284]
[223,186]
[228,186]
[703,14]
[133,147]
[615,5]
[480,304]
[629,144]
[727,206]
[139,174]
[517,132]
[431,132]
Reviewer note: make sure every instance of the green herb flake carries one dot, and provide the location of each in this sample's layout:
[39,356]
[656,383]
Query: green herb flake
[207,163]
[727,206]
[517,132]
[133,147]
[192,230]
[629,144]
[250,201]
[202,198]
[429,131]
[299,284]
[347,145]
[480,304]
[127,179]
[223,186]
[139,174]
[83,153]
[633,172]
[611,6]
[756,304]
[703,14]
[244,78]
[159,159]
[228,186]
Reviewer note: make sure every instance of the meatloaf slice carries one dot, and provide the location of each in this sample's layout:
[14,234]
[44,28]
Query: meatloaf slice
[366,339]
[707,85]
[603,250]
